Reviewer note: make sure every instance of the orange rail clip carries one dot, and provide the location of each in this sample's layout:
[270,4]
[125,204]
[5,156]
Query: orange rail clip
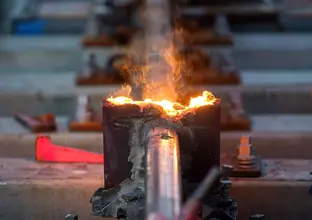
[48,152]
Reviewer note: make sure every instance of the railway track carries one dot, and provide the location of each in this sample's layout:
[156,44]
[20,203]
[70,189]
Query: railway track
[261,92]
[278,103]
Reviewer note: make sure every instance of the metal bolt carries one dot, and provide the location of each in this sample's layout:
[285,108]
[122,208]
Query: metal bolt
[226,183]
[244,148]
[246,157]
[257,217]
[225,189]
[226,170]
[71,217]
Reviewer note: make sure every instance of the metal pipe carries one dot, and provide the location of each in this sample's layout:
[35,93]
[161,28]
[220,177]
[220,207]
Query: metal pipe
[163,182]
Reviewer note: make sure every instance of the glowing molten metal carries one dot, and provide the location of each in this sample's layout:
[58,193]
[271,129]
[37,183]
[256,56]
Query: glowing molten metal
[170,108]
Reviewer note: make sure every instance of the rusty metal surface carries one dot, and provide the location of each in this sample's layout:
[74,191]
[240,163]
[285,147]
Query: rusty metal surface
[233,116]
[296,170]
[53,201]
[287,145]
[42,123]
[252,51]
[261,125]
[63,84]
[20,170]
[68,190]
[27,171]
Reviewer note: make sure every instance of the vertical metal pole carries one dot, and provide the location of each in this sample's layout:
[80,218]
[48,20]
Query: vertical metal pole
[163,182]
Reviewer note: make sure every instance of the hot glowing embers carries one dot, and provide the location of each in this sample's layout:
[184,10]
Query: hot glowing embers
[170,108]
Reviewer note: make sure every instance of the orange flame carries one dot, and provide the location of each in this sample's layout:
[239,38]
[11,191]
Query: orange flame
[162,80]
[170,108]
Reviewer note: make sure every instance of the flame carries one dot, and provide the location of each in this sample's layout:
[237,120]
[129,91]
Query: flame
[170,108]
[159,70]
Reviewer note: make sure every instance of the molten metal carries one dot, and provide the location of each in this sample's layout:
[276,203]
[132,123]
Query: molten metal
[170,108]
